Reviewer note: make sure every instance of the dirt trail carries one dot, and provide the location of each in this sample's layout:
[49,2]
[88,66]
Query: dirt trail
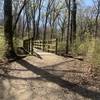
[49,77]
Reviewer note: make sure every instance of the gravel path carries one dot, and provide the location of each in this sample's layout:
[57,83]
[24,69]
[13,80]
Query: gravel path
[49,77]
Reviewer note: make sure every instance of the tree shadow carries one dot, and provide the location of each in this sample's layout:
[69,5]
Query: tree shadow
[45,75]
[12,69]
[69,71]
[20,78]
[94,95]
[37,55]
[1,90]
[45,67]
[58,64]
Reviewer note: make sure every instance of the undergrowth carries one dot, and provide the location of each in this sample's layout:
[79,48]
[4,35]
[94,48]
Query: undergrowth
[80,46]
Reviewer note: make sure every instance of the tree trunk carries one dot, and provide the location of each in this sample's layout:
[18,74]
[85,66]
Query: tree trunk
[8,33]
[73,21]
[38,20]
[68,29]
[74,18]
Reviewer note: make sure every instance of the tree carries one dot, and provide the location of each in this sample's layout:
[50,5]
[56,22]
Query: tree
[68,27]
[48,11]
[73,21]
[38,20]
[97,7]
[8,32]
[9,29]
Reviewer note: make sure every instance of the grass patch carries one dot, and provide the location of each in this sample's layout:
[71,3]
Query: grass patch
[17,42]
[96,56]
[2,42]
[80,47]
[61,46]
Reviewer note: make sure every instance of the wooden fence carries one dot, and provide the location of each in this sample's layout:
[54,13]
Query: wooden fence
[50,45]
[27,44]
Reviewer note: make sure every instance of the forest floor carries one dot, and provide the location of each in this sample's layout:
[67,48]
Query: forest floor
[49,77]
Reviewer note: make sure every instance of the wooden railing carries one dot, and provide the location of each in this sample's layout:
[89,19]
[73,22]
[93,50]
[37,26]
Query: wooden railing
[48,46]
[27,44]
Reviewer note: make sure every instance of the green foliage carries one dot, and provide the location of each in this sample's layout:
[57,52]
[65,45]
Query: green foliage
[96,53]
[80,47]
[86,49]
[18,42]
[2,42]
[61,45]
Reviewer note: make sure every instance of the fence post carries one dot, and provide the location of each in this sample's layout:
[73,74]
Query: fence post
[29,45]
[26,45]
[32,46]
[48,46]
[43,45]
[56,45]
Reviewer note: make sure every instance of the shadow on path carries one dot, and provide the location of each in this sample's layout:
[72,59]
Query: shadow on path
[61,82]
[45,75]
[45,67]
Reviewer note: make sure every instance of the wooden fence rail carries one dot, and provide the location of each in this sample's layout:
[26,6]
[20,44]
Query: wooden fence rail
[27,44]
[50,45]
